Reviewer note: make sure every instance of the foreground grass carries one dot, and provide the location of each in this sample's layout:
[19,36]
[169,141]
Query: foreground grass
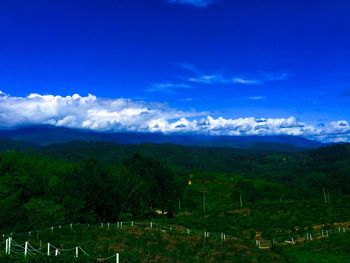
[334,249]
[142,244]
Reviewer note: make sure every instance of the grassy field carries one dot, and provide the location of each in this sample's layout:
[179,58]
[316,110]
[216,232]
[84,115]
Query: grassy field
[157,242]
[139,243]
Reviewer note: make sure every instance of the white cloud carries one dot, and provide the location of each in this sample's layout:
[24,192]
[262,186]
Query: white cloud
[215,78]
[246,81]
[104,114]
[196,3]
[168,87]
[208,79]
[257,98]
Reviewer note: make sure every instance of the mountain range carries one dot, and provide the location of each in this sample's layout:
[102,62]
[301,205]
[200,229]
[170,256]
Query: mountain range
[48,135]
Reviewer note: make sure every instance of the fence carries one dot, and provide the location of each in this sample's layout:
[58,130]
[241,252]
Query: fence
[26,249]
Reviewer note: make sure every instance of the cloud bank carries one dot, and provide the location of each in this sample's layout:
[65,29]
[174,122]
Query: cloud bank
[105,114]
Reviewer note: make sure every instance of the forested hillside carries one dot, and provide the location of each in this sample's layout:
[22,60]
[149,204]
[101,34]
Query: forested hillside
[91,182]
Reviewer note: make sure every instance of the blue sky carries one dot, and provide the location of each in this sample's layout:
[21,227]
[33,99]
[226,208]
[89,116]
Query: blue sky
[220,58]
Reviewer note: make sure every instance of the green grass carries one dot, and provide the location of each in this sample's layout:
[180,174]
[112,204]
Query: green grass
[335,249]
[142,244]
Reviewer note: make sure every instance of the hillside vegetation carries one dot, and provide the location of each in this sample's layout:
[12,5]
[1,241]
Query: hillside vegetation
[237,192]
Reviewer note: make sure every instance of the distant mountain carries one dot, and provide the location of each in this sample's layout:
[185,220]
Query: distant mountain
[47,135]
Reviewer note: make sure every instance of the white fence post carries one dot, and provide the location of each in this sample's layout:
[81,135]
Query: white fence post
[76,252]
[6,246]
[151,224]
[56,252]
[48,249]
[71,225]
[52,229]
[26,249]
[117,258]
[9,245]
[132,223]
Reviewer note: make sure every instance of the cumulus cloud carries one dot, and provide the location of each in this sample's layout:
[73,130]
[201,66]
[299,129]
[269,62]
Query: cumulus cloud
[196,3]
[105,114]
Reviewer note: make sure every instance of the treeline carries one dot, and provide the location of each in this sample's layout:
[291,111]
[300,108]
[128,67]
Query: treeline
[38,192]
[303,174]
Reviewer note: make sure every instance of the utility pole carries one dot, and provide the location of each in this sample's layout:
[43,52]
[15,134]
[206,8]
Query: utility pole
[324,195]
[204,202]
